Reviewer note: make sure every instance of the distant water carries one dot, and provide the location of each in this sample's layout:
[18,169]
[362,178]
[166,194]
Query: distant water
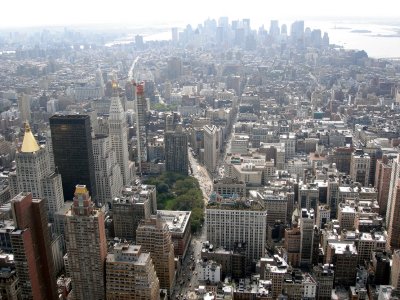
[378,40]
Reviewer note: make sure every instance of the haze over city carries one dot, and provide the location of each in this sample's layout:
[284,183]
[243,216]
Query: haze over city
[208,150]
[75,12]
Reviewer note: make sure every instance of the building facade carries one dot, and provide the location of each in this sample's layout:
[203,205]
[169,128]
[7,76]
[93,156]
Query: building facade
[31,248]
[176,151]
[73,152]
[154,237]
[130,274]
[86,246]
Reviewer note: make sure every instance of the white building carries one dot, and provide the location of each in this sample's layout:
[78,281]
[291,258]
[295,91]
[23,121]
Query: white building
[109,181]
[34,174]
[119,137]
[210,147]
[209,270]
[233,221]
[359,167]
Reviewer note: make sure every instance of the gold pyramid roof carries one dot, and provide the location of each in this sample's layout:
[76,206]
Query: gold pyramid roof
[29,143]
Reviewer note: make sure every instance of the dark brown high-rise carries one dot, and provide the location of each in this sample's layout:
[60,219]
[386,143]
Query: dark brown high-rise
[31,248]
[73,152]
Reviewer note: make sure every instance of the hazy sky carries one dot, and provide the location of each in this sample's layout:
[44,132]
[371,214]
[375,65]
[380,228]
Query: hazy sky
[75,12]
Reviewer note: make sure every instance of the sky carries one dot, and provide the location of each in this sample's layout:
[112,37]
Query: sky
[23,13]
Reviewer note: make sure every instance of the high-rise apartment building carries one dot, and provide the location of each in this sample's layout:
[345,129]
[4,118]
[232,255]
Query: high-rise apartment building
[31,248]
[232,221]
[73,152]
[210,147]
[176,151]
[130,274]
[154,237]
[118,134]
[109,180]
[34,175]
[86,246]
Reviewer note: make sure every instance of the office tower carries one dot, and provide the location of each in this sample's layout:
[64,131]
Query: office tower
[118,134]
[274,30]
[174,32]
[128,211]
[297,31]
[333,195]
[73,152]
[100,82]
[233,221]
[359,167]
[154,237]
[34,174]
[393,228]
[141,124]
[174,68]
[306,222]
[86,246]
[210,147]
[130,274]
[24,106]
[31,248]
[176,151]
[109,180]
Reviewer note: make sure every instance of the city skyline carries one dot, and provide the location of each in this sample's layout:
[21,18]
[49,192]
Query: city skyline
[50,13]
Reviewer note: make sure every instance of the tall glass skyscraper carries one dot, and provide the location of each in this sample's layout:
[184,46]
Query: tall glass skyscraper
[73,152]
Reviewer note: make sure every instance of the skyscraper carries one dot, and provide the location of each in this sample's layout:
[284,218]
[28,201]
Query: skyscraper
[33,174]
[306,221]
[141,124]
[86,246]
[109,180]
[393,229]
[31,248]
[118,134]
[24,106]
[210,147]
[73,152]
[176,151]
[130,274]
[154,237]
